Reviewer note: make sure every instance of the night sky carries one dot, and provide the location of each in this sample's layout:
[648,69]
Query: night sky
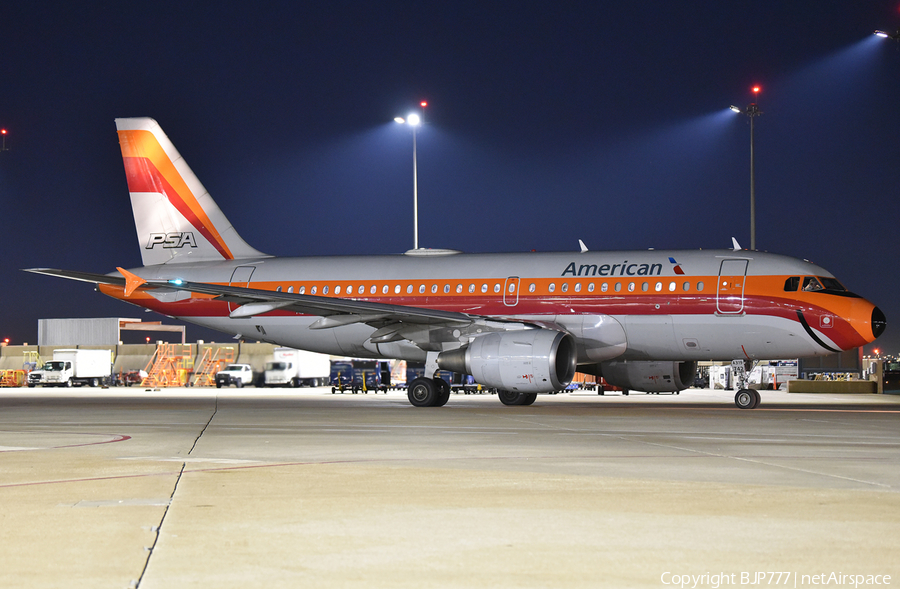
[547,123]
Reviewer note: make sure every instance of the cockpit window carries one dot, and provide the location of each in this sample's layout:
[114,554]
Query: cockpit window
[832,284]
[823,284]
[812,284]
[791,284]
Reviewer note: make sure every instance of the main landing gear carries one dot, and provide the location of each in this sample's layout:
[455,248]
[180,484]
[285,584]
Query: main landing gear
[429,392]
[745,398]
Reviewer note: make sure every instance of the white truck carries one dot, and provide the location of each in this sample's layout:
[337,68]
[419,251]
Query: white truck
[234,374]
[74,367]
[296,368]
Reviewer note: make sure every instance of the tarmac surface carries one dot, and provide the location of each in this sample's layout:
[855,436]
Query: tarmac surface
[285,488]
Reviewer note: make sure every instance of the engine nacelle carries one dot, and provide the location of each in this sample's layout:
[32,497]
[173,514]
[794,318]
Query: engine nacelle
[526,361]
[649,376]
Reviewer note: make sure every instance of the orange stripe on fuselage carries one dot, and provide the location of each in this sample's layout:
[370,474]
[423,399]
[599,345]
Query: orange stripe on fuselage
[143,144]
[764,295]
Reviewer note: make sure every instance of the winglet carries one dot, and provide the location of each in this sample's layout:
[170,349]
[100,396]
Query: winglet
[132,281]
[737,246]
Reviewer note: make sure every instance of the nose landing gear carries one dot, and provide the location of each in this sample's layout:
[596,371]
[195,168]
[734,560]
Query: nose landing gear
[745,398]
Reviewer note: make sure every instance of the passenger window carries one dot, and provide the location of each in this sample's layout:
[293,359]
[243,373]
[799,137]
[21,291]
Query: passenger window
[604,287]
[361,289]
[409,289]
[552,287]
[686,286]
[630,287]
[384,289]
[312,290]
[497,288]
[591,287]
[291,289]
[672,287]
[421,289]
[484,288]
[458,288]
[434,289]
[324,290]
[278,289]
[565,287]
[618,286]
[577,287]
[337,289]
[699,287]
[373,290]
[531,287]
[446,289]
[397,289]
[791,284]
[471,288]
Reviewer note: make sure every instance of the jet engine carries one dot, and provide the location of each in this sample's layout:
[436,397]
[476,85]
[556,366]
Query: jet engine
[649,376]
[526,361]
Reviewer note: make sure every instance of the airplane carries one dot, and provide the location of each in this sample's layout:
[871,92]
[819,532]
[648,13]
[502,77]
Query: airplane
[522,323]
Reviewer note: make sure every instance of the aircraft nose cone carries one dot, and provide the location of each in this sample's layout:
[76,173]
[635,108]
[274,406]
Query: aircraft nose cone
[879,322]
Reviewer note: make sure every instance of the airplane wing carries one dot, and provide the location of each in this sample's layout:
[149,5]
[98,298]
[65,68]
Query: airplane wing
[393,322]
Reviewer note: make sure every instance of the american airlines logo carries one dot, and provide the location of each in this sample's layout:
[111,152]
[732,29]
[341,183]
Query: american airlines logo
[620,269]
[172,240]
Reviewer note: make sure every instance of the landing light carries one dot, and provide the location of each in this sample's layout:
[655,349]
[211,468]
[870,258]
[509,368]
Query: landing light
[177,281]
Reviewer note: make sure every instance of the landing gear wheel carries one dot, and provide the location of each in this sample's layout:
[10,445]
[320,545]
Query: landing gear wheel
[746,399]
[443,392]
[514,398]
[423,392]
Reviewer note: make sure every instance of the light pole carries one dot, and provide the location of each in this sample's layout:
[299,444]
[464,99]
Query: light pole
[413,120]
[752,111]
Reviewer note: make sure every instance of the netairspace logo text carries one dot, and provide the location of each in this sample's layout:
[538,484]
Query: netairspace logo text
[783,579]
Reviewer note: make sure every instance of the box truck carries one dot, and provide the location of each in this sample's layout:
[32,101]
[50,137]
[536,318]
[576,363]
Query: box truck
[296,368]
[74,367]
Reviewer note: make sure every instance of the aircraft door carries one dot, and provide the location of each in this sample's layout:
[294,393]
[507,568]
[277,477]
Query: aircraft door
[511,291]
[240,277]
[730,288]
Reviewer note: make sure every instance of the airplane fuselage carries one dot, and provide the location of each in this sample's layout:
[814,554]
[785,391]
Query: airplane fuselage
[661,305]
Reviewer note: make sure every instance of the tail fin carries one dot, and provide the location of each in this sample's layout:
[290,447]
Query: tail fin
[177,220]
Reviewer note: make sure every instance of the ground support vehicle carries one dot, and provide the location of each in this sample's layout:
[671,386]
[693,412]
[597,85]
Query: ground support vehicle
[296,368]
[74,368]
[238,375]
[360,376]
